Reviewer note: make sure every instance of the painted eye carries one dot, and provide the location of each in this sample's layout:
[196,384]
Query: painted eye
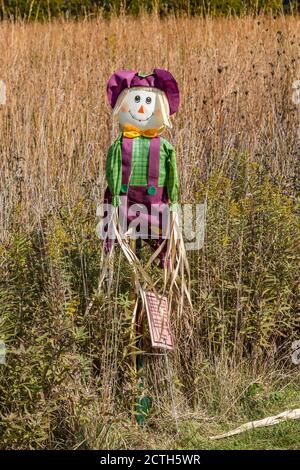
[137,98]
[148,100]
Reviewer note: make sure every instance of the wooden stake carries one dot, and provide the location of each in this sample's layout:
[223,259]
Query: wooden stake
[141,404]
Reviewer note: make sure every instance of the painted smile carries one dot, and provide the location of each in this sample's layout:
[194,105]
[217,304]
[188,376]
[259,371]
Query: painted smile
[140,120]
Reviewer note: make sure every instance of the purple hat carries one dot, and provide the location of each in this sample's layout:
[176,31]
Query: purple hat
[159,78]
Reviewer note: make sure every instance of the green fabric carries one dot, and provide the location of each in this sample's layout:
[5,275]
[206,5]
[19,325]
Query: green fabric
[168,175]
[114,171]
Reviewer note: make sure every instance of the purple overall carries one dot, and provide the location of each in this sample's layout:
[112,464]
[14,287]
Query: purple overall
[143,207]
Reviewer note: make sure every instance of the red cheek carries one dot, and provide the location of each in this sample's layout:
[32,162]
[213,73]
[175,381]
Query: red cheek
[157,113]
[124,108]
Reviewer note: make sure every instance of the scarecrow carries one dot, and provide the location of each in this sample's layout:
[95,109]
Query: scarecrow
[141,166]
[142,195]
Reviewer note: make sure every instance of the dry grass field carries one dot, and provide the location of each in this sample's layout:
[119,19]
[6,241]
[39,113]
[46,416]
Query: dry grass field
[66,382]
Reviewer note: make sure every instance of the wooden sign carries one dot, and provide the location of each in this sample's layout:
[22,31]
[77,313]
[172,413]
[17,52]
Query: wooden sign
[159,322]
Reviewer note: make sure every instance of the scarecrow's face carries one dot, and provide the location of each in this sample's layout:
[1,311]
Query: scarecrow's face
[141,109]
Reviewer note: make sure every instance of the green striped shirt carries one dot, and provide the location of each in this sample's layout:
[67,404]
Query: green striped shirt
[168,175]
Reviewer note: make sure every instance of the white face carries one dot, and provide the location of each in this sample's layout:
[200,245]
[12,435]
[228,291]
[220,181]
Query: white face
[141,109]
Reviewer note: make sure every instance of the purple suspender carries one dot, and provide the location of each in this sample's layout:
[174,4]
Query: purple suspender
[126,159]
[154,160]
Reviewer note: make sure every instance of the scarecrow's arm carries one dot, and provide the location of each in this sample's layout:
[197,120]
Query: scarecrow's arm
[114,171]
[172,179]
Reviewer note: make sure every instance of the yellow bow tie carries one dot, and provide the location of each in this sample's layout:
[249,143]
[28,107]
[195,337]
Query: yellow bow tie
[131,132]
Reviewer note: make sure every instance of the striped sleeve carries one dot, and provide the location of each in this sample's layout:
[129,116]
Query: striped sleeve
[172,179]
[113,170]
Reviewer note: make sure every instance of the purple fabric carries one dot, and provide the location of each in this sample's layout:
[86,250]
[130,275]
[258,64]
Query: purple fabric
[154,208]
[126,159]
[139,195]
[136,195]
[153,170]
[161,79]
